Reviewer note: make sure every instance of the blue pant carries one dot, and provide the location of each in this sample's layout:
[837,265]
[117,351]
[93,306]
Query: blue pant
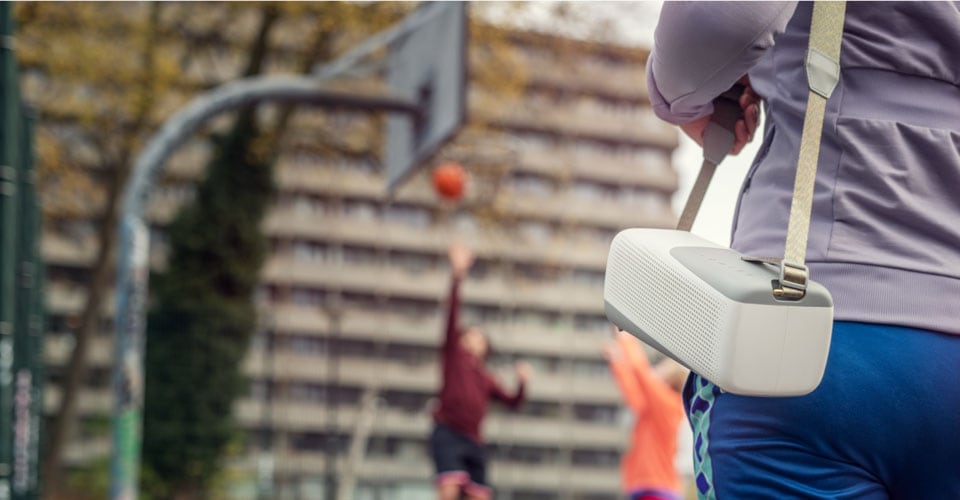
[883,424]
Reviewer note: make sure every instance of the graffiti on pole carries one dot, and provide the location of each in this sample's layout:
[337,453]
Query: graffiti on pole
[128,380]
[22,431]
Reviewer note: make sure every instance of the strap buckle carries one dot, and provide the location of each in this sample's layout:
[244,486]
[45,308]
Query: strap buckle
[793,281]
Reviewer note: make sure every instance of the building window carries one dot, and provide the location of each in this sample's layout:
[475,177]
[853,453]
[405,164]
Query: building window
[79,230]
[531,141]
[601,414]
[544,364]
[98,378]
[304,344]
[645,199]
[262,295]
[530,184]
[411,308]
[589,367]
[361,300]
[592,191]
[533,495]
[591,323]
[650,160]
[361,255]
[596,458]
[481,314]
[413,262]
[360,210]
[73,275]
[397,448]
[410,354]
[405,214]
[321,393]
[307,296]
[302,159]
[307,205]
[535,319]
[540,409]
[353,165]
[353,348]
[599,234]
[257,390]
[407,401]
[383,447]
[523,454]
[587,277]
[465,222]
[308,251]
[319,441]
[394,489]
[535,231]
[596,496]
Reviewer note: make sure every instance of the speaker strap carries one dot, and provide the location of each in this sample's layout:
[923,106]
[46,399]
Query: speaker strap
[823,73]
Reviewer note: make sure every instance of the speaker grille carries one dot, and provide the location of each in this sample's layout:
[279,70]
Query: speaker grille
[682,314]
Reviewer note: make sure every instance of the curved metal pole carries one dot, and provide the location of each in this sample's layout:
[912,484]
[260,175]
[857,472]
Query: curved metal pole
[132,258]
[132,263]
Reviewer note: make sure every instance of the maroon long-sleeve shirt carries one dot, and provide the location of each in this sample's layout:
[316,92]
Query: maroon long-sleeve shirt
[467,385]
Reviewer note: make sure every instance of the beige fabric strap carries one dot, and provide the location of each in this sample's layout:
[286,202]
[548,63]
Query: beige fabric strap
[718,139]
[823,72]
[699,190]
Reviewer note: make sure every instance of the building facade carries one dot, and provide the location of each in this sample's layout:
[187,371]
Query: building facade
[345,361]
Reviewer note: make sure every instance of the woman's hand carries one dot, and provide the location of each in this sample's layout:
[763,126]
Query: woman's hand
[745,127]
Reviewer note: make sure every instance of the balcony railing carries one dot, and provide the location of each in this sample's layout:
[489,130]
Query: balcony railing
[511,429]
[388,327]
[288,223]
[504,474]
[432,284]
[424,377]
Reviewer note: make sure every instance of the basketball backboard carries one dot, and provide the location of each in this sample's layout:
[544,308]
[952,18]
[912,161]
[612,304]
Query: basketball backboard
[430,67]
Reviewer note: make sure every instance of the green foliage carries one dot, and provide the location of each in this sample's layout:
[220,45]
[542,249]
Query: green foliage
[201,322]
[91,480]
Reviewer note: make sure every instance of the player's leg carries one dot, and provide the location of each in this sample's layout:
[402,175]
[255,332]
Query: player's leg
[477,492]
[819,446]
[476,461]
[448,490]
[451,470]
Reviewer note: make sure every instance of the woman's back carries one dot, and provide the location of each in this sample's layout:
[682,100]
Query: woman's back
[885,227]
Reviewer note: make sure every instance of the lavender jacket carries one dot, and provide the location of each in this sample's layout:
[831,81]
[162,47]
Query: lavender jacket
[885,226]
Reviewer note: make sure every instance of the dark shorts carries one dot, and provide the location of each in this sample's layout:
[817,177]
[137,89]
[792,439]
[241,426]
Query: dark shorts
[883,424]
[459,459]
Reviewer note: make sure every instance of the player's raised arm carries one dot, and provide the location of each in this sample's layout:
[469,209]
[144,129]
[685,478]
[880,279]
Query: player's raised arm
[461,258]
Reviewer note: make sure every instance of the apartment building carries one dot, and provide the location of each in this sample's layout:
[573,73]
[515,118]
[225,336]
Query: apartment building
[344,366]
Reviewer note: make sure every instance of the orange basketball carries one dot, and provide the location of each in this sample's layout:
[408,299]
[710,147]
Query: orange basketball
[448,180]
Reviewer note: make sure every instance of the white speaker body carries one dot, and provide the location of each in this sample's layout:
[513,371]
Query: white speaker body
[704,306]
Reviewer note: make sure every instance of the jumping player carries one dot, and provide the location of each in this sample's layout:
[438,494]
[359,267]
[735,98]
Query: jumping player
[653,394]
[456,442]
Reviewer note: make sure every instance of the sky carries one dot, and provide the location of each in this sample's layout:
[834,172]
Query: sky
[633,23]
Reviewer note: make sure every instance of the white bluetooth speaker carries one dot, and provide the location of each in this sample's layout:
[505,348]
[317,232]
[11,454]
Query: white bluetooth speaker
[706,307]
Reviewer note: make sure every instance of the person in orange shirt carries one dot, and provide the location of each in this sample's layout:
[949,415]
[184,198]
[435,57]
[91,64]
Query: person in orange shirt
[653,394]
